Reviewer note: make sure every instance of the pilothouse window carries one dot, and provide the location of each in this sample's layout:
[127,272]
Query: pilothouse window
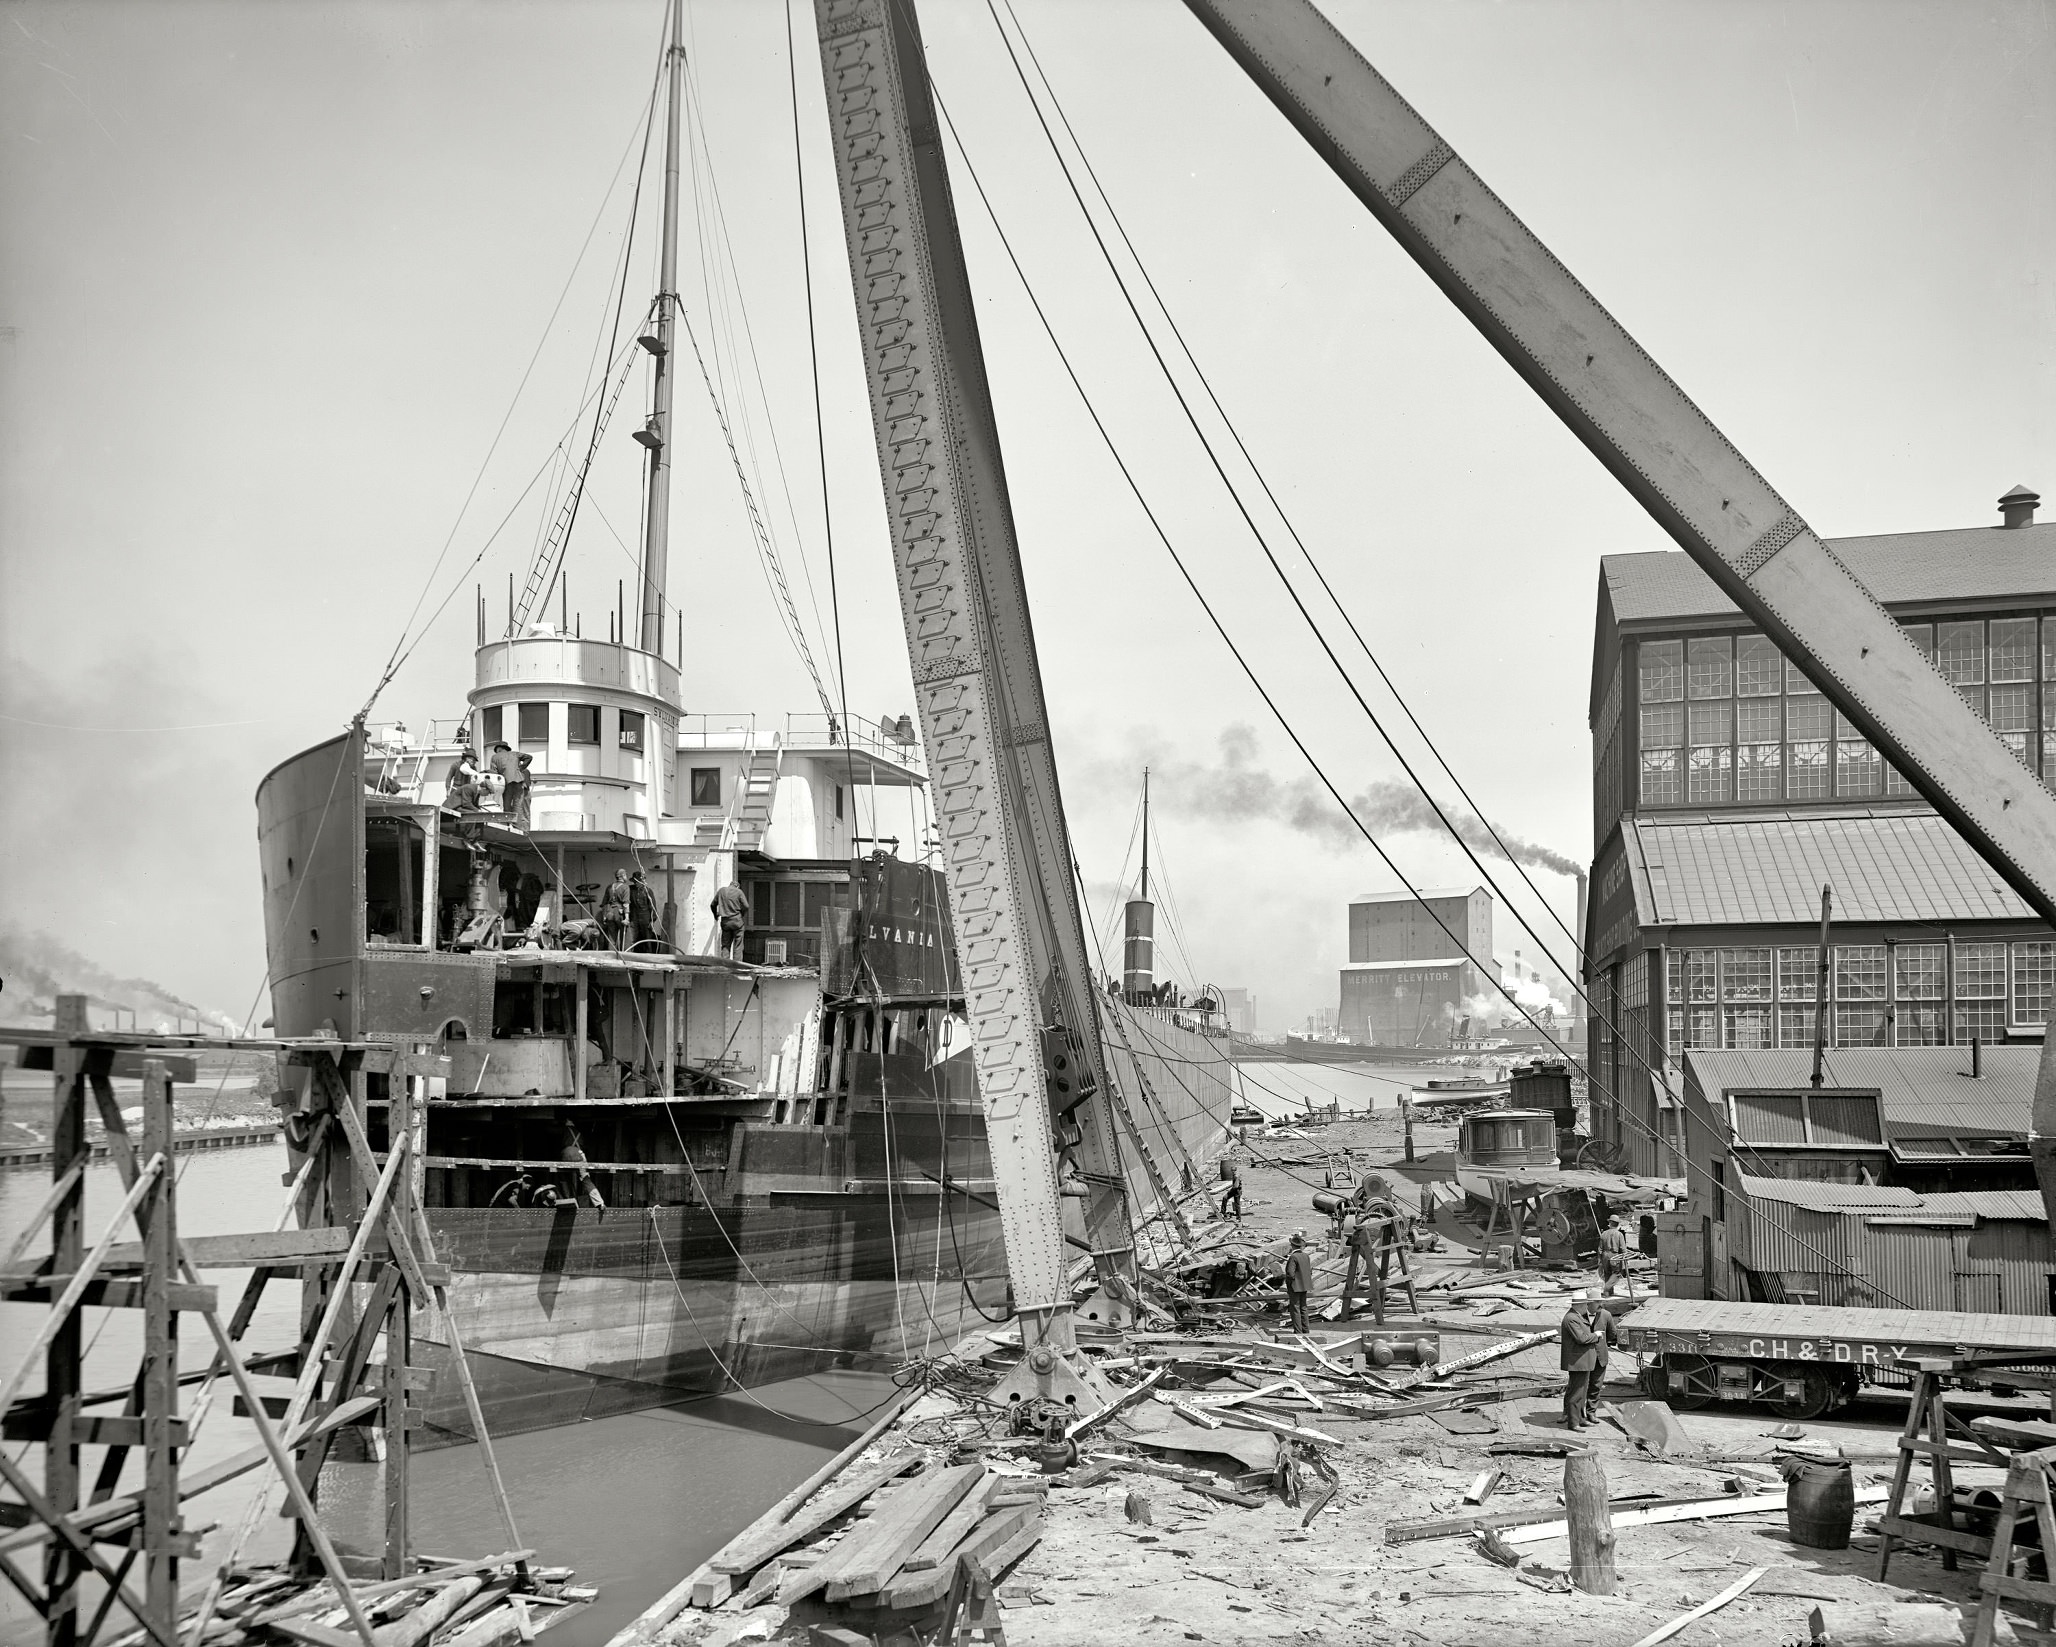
[631,730]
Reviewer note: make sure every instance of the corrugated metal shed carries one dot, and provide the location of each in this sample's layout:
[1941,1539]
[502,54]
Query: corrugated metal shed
[1769,871]
[1966,563]
[1860,1245]
[1926,1092]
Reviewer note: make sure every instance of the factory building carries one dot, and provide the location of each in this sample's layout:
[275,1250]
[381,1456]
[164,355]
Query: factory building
[1726,792]
[1409,981]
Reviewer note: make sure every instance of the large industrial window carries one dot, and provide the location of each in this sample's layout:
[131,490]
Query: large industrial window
[1727,718]
[1980,992]
[1798,981]
[535,723]
[1806,723]
[1960,655]
[1710,774]
[2034,975]
[1858,771]
[583,725]
[1879,994]
[1920,981]
[1860,994]
[706,786]
[1663,671]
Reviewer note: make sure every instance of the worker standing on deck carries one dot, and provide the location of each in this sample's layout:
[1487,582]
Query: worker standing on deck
[1613,1258]
[513,771]
[1299,1281]
[1231,1169]
[642,909]
[614,908]
[731,907]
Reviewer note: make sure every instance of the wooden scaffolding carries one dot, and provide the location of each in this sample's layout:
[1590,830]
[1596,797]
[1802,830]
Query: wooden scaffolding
[352,1233]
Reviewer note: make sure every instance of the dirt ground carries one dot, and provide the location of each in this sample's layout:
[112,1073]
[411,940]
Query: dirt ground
[1212,1572]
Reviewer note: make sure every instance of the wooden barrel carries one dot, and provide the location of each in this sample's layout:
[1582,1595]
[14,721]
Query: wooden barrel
[1820,1505]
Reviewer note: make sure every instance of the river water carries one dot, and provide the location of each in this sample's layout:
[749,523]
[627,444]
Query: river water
[634,1502]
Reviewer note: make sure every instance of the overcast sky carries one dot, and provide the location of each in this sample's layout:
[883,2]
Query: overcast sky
[271,276]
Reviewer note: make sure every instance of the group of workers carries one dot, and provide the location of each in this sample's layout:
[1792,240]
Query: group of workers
[499,783]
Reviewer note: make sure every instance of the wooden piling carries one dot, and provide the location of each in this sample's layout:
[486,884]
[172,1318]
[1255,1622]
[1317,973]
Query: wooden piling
[1591,1524]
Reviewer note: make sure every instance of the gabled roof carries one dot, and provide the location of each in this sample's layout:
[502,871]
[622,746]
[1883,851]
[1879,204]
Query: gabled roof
[1974,563]
[1909,866]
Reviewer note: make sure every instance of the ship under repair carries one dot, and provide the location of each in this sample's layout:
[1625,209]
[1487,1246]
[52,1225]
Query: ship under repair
[663,1164]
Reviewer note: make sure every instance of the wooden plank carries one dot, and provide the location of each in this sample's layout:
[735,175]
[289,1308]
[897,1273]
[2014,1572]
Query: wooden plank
[759,1544]
[954,1528]
[873,1554]
[1704,1509]
[106,1294]
[30,1420]
[923,1589]
[319,1244]
[1666,1631]
[314,1635]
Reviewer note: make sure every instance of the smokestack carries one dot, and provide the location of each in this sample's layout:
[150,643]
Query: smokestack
[1138,952]
[2017,507]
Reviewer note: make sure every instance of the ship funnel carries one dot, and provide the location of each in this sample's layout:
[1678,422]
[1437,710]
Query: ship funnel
[1138,952]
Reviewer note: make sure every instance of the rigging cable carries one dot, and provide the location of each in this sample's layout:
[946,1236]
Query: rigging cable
[842,685]
[403,648]
[1242,508]
[1577,939]
[1250,674]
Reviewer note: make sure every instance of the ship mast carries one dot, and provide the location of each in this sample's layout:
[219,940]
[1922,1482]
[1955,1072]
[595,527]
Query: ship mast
[656,435]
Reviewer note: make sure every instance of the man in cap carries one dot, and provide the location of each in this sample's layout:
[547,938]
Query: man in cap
[1613,1258]
[1299,1281]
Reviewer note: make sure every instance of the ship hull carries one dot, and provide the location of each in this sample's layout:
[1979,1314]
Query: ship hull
[570,1313]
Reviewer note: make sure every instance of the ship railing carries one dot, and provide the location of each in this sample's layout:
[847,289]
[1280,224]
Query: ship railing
[717,731]
[897,741]
[412,763]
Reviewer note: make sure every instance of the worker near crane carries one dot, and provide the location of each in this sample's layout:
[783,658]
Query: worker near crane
[731,907]
[1299,1280]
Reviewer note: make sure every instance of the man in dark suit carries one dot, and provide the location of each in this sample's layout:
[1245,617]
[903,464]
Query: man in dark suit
[1587,1329]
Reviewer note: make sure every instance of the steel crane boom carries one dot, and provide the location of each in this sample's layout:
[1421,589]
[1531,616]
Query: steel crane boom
[1041,1068]
[1660,446]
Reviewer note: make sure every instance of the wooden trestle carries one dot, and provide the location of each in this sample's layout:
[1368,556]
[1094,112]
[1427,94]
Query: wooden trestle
[355,1237]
